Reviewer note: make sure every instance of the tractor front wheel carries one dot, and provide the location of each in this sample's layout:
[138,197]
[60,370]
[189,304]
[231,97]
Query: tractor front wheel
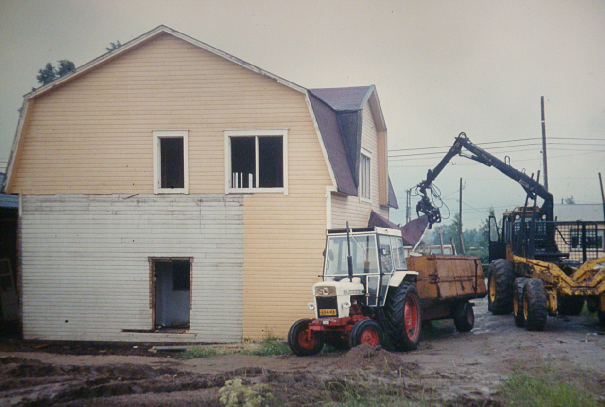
[518,301]
[365,331]
[401,317]
[500,287]
[535,304]
[303,341]
[464,316]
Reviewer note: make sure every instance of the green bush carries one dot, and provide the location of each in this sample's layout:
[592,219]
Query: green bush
[234,393]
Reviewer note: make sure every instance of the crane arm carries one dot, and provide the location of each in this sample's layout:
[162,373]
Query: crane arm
[531,186]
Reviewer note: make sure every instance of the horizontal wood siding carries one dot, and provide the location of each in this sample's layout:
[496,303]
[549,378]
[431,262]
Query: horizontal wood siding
[351,208]
[86,274]
[95,135]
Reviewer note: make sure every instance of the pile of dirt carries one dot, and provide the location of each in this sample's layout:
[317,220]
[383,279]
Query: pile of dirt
[372,359]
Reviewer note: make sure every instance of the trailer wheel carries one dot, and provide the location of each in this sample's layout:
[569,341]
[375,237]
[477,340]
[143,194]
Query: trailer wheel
[518,301]
[535,304]
[401,317]
[570,305]
[463,315]
[365,331]
[500,287]
[303,342]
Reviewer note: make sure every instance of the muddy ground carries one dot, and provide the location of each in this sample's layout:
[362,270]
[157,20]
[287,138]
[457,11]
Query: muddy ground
[448,369]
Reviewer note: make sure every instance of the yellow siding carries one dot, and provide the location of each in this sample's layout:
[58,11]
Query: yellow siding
[94,136]
[351,208]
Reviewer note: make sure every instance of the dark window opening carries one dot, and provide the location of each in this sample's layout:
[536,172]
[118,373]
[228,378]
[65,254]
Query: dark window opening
[181,275]
[268,150]
[243,162]
[172,162]
[270,159]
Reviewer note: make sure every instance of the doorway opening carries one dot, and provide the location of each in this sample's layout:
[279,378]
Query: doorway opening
[171,293]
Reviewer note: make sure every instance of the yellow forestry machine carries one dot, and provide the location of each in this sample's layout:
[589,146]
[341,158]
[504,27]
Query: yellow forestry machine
[538,266]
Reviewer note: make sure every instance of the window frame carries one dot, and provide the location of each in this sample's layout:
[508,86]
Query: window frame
[368,155]
[157,157]
[283,133]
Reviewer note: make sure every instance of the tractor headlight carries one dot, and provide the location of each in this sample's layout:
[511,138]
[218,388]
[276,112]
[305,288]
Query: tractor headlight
[311,306]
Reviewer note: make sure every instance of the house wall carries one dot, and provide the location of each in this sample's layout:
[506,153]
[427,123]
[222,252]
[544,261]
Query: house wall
[95,136]
[87,273]
[351,208]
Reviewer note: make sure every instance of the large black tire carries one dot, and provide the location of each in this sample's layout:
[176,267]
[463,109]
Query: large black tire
[535,304]
[518,301]
[570,305]
[366,331]
[463,315]
[500,287]
[301,343]
[401,318]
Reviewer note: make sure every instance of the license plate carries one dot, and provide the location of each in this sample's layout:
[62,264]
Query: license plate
[327,312]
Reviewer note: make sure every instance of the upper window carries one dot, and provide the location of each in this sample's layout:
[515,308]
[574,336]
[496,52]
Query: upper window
[364,177]
[171,170]
[256,161]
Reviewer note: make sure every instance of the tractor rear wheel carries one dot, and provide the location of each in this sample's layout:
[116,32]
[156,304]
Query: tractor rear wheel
[365,331]
[401,318]
[500,287]
[518,301]
[535,304]
[570,305]
[464,316]
[302,341]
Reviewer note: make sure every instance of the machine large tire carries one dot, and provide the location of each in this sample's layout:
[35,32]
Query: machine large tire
[518,301]
[401,317]
[601,317]
[463,315]
[365,331]
[535,304]
[570,305]
[500,287]
[301,343]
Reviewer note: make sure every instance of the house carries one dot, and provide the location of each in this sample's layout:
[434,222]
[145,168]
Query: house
[171,192]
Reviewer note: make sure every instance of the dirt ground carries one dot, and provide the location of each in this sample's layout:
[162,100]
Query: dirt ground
[448,368]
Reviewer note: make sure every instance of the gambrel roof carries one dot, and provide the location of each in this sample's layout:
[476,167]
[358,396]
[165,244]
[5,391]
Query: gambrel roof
[335,112]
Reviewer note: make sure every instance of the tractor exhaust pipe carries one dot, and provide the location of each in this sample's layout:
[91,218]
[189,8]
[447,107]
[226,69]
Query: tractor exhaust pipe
[349,258]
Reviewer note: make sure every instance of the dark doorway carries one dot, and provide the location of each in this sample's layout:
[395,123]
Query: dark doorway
[172,292]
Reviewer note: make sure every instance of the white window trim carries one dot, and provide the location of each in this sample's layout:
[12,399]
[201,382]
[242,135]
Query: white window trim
[368,154]
[250,133]
[157,167]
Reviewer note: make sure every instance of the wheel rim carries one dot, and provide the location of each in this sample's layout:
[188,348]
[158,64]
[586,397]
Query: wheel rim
[492,289]
[525,307]
[306,339]
[515,305]
[370,336]
[411,318]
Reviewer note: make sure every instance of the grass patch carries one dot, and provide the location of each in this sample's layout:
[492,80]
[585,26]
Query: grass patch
[205,352]
[270,346]
[544,389]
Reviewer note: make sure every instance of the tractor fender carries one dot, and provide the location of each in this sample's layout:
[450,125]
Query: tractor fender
[399,276]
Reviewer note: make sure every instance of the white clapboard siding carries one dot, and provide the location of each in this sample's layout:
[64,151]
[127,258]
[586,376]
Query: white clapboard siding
[351,208]
[86,273]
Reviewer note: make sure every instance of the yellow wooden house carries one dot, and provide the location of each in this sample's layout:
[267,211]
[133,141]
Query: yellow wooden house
[171,192]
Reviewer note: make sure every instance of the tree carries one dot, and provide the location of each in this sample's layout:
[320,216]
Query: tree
[49,73]
[113,45]
[569,200]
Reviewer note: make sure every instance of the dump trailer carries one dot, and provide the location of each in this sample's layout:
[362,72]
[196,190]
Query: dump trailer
[445,284]
[538,266]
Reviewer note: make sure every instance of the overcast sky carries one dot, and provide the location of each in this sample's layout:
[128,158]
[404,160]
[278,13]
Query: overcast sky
[440,67]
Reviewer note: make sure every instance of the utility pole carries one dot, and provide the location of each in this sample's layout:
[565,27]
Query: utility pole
[602,194]
[408,206]
[544,145]
[460,219]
